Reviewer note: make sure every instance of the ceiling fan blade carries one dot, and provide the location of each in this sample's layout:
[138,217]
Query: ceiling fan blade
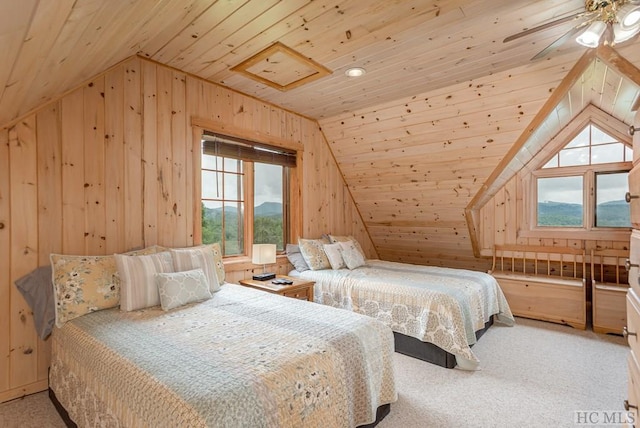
[558,42]
[547,25]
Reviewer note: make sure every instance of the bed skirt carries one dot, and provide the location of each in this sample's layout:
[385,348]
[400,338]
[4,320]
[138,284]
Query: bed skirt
[429,352]
[381,413]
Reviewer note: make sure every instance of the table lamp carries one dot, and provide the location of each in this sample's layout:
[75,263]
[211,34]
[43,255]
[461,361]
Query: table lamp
[264,254]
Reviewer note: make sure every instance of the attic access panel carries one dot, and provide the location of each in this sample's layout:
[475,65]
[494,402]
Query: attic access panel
[281,67]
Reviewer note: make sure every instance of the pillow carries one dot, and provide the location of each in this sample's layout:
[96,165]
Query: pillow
[334,254]
[138,288]
[217,260]
[295,258]
[197,257]
[140,252]
[179,288]
[314,254]
[83,284]
[333,239]
[352,257]
[37,290]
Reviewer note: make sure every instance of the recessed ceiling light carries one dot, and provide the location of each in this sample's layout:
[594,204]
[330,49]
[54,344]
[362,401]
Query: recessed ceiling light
[355,71]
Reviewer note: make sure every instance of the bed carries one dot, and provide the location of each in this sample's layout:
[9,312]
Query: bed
[436,313]
[240,358]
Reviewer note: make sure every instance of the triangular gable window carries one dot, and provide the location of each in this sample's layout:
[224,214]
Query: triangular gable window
[590,147]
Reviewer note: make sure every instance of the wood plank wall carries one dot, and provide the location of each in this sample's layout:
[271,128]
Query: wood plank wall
[108,168]
[503,216]
[415,163]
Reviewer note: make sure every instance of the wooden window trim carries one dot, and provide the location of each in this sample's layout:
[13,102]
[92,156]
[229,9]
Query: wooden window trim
[294,212]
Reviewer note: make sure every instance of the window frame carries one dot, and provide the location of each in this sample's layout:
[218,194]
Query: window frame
[293,210]
[247,203]
[530,228]
[588,173]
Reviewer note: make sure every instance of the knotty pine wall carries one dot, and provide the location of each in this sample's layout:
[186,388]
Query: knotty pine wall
[503,217]
[110,167]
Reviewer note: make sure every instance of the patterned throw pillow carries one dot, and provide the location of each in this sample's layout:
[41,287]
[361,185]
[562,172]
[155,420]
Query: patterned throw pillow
[313,252]
[334,238]
[197,257]
[138,287]
[83,284]
[352,257]
[217,261]
[179,288]
[334,254]
[295,258]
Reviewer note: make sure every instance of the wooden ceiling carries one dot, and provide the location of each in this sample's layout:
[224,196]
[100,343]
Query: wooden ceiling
[407,47]
[441,104]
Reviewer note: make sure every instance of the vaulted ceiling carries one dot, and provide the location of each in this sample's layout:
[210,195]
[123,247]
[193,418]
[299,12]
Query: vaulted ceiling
[440,106]
[407,47]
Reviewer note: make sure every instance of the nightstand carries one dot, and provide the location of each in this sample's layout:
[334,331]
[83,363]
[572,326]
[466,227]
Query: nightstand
[300,289]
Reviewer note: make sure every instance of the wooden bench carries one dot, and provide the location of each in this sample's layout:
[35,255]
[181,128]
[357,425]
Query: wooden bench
[609,285]
[545,283]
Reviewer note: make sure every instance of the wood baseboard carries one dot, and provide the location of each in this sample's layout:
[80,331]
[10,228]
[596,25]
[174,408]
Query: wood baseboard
[32,388]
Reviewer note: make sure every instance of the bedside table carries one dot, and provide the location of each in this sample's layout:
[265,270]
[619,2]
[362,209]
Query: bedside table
[300,289]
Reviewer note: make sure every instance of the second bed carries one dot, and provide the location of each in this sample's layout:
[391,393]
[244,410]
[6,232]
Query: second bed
[436,313]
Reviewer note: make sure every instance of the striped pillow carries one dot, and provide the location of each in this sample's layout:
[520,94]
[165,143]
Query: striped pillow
[138,288]
[201,257]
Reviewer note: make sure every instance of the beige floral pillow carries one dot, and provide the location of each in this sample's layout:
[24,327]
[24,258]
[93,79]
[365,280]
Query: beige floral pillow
[83,284]
[217,260]
[313,253]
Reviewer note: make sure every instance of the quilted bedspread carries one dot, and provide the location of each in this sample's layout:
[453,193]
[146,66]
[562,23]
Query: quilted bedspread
[244,358]
[438,305]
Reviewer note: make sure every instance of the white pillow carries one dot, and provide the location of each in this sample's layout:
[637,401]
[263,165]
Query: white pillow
[197,257]
[179,288]
[334,254]
[335,238]
[352,257]
[138,287]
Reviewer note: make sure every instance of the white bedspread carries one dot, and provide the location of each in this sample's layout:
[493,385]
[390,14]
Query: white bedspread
[438,305]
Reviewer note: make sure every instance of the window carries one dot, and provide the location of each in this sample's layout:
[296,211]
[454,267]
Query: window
[245,193]
[584,184]
[610,210]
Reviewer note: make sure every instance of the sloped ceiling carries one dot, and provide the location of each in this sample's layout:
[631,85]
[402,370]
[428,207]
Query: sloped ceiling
[442,103]
[602,79]
[407,47]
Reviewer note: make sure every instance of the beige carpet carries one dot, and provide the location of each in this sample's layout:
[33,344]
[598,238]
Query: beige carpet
[535,374]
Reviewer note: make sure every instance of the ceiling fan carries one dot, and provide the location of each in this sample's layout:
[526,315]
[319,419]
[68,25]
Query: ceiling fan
[616,21]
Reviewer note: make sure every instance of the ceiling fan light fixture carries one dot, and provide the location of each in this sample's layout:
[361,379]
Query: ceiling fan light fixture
[591,36]
[622,35]
[355,72]
[629,16]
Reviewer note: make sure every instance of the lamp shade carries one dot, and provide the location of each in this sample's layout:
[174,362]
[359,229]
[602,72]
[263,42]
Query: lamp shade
[591,36]
[264,254]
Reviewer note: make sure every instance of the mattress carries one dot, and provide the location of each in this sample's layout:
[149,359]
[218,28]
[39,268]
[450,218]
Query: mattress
[242,358]
[442,306]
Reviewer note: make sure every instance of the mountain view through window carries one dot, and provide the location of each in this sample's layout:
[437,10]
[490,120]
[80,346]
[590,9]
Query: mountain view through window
[561,197]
